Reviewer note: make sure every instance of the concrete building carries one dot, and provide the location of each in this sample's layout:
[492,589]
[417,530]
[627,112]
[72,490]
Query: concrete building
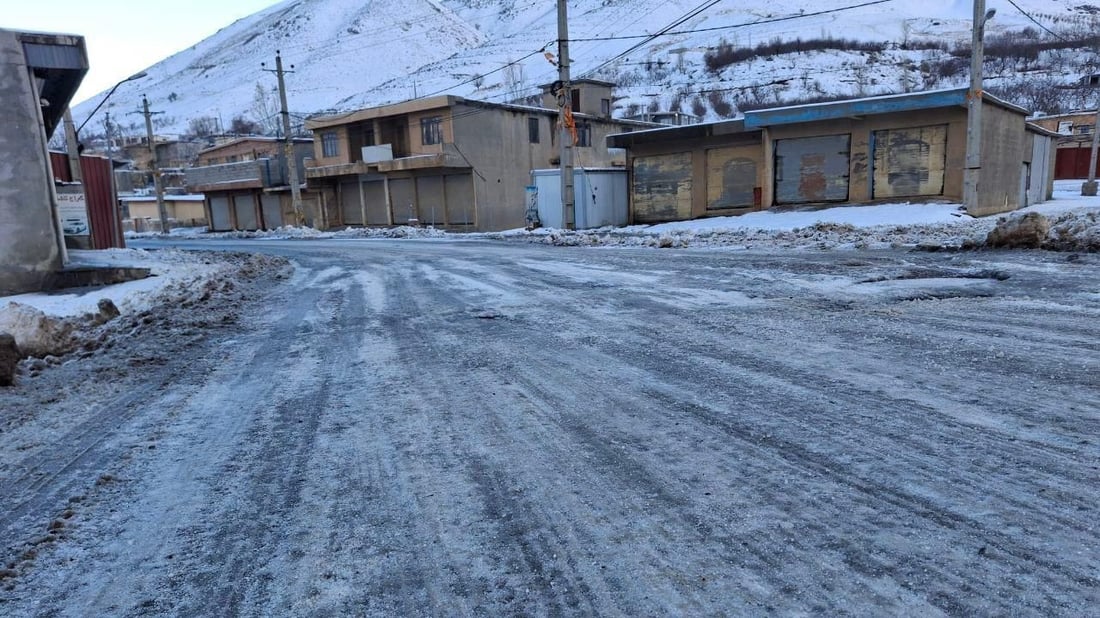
[143,214]
[890,148]
[39,73]
[448,161]
[246,184]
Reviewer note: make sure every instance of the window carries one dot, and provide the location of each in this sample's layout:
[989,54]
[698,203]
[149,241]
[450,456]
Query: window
[330,144]
[1065,127]
[575,100]
[533,130]
[584,134]
[431,130]
[605,107]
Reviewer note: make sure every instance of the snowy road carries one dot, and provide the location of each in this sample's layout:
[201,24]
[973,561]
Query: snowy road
[467,428]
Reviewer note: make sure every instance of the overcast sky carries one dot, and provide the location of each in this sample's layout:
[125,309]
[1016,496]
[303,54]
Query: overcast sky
[126,36]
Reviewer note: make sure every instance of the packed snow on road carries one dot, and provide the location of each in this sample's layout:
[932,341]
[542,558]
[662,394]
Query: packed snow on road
[464,426]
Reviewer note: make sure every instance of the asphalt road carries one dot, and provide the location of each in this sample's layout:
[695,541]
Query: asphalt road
[409,428]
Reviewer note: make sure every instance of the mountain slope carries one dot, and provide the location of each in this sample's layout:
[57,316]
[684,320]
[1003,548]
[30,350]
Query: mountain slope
[349,54]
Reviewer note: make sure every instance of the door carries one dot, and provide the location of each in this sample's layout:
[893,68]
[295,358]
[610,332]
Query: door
[812,169]
[662,188]
[219,214]
[909,162]
[351,209]
[731,178]
[271,206]
[245,207]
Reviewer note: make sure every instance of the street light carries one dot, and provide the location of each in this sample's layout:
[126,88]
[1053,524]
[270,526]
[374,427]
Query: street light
[109,93]
[974,108]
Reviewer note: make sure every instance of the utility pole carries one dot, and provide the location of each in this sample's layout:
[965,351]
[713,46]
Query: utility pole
[973,169]
[565,103]
[115,215]
[158,185]
[73,148]
[291,160]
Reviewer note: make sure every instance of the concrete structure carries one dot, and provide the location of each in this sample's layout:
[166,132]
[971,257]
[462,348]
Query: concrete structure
[39,73]
[246,185]
[902,147]
[447,161]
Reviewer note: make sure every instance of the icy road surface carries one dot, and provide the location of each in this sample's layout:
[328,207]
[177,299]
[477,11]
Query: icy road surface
[408,428]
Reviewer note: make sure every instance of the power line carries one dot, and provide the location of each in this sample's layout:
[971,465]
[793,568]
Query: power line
[1036,22]
[741,25]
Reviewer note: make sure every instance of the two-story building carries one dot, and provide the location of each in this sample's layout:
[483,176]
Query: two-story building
[246,183]
[448,161]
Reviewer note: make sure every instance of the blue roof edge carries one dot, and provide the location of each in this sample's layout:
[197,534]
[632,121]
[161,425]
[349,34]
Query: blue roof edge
[857,107]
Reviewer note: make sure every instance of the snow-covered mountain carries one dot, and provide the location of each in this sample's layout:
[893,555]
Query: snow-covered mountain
[349,54]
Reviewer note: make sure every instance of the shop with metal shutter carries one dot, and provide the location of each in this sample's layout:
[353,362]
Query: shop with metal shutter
[812,169]
[909,162]
[220,218]
[662,187]
[351,208]
[271,207]
[732,177]
[244,205]
[459,189]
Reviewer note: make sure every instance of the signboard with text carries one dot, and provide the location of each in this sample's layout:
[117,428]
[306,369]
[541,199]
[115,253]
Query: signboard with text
[73,211]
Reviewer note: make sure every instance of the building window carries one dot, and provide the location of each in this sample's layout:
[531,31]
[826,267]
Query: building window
[533,130]
[605,107]
[1065,127]
[584,134]
[431,130]
[575,99]
[330,144]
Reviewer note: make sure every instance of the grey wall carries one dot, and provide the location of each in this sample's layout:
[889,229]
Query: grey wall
[29,245]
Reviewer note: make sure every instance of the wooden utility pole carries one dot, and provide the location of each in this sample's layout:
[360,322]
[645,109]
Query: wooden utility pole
[158,184]
[291,160]
[973,169]
[73,148]
[116,232]
[565,103]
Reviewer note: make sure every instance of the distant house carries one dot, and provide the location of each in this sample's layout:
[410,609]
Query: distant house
[1074,142]
[448,161]
[888,148]
[246,183]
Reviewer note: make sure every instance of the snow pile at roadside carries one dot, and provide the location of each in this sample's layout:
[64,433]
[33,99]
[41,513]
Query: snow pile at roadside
[82,320]
[305,233]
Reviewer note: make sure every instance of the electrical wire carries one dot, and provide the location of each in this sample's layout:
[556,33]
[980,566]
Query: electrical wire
[1027,15]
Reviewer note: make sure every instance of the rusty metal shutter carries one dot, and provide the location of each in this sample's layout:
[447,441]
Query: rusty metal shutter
[909,162]
[812,169]
[662,188]
[351,210]
[219,214]
[731,178]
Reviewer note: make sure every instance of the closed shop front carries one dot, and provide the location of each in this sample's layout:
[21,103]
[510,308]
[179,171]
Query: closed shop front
[351,209]
[662,188]
[731,178]
[460,199]
[812,169]
[245,207]
[429,191]
[219,214]
[270,204]
[909,162]
[374,198]
[403,198]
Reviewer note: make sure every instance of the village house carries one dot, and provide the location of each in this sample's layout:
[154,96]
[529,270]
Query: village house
[1074,151]
[448,161]
[907,147]
[245,182]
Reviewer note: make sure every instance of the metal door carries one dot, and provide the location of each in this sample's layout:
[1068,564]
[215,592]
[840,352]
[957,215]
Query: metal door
[271,206]
[812,169]
[909,162]
[219,214]
[351,209]
[662,188]
[245,207]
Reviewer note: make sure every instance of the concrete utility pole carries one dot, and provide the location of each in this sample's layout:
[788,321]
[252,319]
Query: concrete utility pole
[158,185]
[974,108]
[115,215]
[291,160]
[73,148]
[565,102]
